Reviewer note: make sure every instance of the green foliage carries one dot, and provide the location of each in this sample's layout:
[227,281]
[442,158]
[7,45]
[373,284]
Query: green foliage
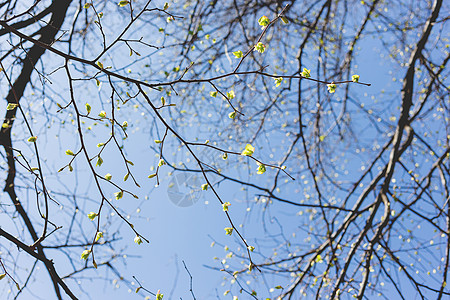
[138,240]
[260,47]
[92,215]
[238,54]
[228,230]
[85,254]
[123,3]
[248,150]
[263,21]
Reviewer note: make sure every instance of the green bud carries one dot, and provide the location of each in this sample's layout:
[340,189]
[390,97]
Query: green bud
[92,215]
[85,254]
[225,206]
[263,21]
[138,240]
[238,54]
[331,88]
[88,108]
[260,47]
[123,3]
[98,236]
[32,139]
[248,150]
[102,114]
[99,161]
[261,169]
[306,73]
[11,106]
[278,81]
[118,195]
[231,95]
[228,230]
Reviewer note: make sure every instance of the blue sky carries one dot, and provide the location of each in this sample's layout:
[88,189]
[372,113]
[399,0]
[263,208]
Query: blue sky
[176,233]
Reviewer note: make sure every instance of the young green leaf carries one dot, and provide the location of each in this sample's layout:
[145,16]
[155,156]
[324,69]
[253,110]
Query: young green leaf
[248,150]
[123,3]
[225,206]
[278,81]
[238,54]
[32,139]
[231,95]
[331,88]
[118,195]
[99,162]
[161,162]
[261,169]
[306,73]
[263,21]
[260,47]
[228,230]
[138,240]
[98,236]
[85,254]
[92,215]
[11,106]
